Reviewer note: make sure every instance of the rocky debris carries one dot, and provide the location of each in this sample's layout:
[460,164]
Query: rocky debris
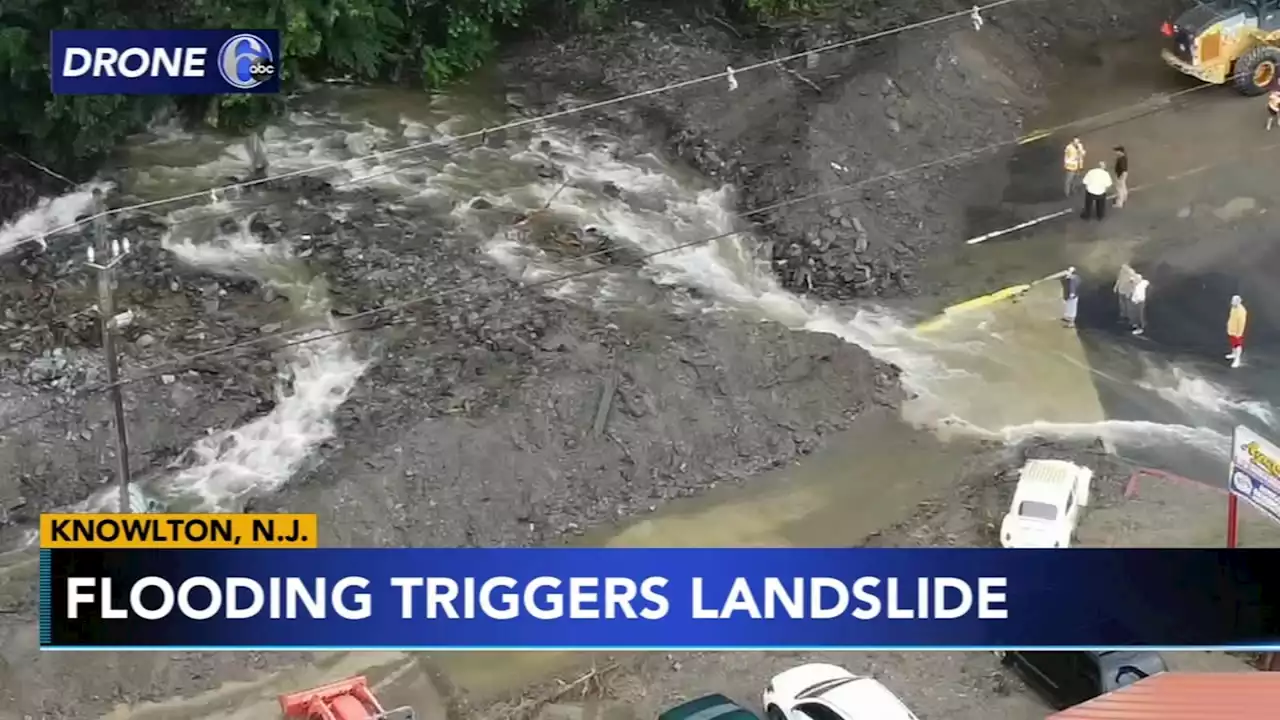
[838,133]
[566,240]
[697,400]
[62,370]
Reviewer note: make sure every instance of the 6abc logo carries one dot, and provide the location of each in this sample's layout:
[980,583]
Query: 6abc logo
[245,62]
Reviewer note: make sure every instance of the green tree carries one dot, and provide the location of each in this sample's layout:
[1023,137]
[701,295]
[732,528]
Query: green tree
[431,42]
[61,130]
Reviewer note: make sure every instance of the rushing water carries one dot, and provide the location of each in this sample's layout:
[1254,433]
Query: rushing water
[659,207]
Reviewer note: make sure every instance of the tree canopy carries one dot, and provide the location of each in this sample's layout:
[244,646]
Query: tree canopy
[426,41]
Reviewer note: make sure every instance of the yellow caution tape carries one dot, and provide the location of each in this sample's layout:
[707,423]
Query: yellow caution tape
[1037,135]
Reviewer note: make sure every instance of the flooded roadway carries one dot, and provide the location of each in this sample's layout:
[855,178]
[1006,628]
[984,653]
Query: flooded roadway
[1196,226]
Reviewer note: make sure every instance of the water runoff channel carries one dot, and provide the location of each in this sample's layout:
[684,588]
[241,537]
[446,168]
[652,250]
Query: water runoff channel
[989,373]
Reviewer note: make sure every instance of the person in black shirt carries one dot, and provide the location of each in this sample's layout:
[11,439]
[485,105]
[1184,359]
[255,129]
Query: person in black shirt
[1121,172]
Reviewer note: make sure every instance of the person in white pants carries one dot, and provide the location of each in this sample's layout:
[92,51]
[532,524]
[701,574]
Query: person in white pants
[1138,303]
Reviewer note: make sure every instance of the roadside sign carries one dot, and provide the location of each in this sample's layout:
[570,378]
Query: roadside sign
[1255,471]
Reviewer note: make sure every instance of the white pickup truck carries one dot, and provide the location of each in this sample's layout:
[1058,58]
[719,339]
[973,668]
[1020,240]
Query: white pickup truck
[1046,505]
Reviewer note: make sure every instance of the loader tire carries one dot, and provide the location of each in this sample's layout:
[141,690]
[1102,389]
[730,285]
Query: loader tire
[1257,70]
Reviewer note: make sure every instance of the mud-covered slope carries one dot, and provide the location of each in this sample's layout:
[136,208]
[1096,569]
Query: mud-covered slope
[490,416]
[606,422]
[695,399]
[862,114]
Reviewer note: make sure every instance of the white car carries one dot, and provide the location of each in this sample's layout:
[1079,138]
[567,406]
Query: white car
[829,692]
[1046,505]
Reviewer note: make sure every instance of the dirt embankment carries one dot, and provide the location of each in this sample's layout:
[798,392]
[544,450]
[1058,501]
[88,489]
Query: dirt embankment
[876,116]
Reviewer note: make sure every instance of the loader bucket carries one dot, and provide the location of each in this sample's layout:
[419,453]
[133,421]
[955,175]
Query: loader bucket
[349,699]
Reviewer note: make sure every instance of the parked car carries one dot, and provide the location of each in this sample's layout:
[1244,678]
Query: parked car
[1069,678]
[709,707]
[829,692]
[1046,505]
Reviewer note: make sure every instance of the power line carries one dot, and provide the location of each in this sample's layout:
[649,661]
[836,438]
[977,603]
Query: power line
[37,166]
[1023,140]
[312,335]
[728,73]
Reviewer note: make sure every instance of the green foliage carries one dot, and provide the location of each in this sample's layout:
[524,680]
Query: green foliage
[431,42]
[770,9]
[61,130]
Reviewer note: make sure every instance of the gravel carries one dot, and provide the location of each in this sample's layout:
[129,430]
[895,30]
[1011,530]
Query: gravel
[863,114]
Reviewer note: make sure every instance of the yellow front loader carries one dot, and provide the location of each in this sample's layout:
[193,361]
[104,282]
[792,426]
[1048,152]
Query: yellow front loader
[1234,42]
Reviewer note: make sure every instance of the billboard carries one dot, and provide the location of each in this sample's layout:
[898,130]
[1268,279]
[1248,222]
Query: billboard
[1255,471]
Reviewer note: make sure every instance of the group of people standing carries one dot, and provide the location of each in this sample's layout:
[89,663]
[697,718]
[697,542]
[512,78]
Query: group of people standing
[1131,290]
[1097,182]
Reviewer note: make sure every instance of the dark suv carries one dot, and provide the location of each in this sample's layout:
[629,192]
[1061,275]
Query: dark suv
[1069,678]
[710,707]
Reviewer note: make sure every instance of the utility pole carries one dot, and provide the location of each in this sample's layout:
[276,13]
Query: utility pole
[112,252]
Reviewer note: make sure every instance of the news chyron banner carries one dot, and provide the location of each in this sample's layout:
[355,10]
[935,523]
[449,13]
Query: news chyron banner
[217,582]
[67,540]
[164,62]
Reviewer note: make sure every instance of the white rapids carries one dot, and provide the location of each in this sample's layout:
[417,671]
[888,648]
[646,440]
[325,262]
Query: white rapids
[49,215]
[1184,387]
[728,272]
[636,199]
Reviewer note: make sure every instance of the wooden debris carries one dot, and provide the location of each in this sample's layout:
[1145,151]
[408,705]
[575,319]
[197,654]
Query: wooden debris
[726,26]
[605,404]
[556,194]
[590,684]
[799,77]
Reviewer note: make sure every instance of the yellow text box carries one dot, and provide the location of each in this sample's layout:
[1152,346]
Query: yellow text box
[177,531]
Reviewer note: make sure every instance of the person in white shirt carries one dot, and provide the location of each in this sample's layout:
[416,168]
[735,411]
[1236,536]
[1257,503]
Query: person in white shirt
[1096,184]
[1124,290]
[1138,303]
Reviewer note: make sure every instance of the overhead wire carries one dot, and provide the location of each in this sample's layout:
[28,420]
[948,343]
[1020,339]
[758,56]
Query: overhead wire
[728,73]
[1027,139]
[37,166]
[315,335]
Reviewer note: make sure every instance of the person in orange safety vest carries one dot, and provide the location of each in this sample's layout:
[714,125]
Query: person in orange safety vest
[1073,164]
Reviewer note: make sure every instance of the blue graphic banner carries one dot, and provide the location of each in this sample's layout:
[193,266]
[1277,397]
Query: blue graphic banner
[659,599]
[164,62]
